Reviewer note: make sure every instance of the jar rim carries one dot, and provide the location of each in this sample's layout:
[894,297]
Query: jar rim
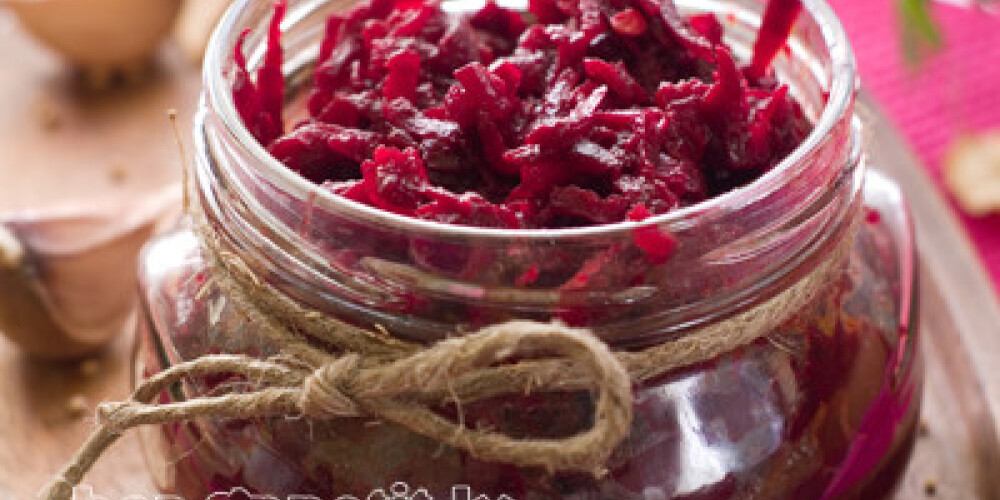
[842,87]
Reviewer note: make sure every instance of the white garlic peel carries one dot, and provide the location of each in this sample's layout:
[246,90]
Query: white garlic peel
[67,277]
[101,34]
[195,24]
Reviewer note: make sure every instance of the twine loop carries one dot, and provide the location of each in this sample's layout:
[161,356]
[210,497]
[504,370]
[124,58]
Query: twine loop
[325,393]
[366,373]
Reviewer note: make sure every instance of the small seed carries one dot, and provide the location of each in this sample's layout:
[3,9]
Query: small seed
[118,174]
[930,487]
[77,406]
[923,429]
[90,367]
[48,114]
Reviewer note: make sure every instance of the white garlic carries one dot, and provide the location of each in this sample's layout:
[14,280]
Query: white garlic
[67,276]
[98,34]
[195,25]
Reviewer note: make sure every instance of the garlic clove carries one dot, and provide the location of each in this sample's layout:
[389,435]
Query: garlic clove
[972,172]
[98,33]
[67,276]
[27,315]
[195,25]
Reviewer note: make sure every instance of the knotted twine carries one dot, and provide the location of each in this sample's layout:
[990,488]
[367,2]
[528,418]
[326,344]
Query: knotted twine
[368,373]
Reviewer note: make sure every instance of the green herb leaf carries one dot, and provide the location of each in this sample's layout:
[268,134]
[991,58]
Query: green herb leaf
[920,33]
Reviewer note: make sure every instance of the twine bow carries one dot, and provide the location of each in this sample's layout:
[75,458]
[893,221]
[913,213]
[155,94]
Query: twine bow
[369,373]
[397,392]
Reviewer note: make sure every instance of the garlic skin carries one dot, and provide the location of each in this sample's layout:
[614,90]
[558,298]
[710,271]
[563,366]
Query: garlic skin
[195,24]
[68,277]
[98,34]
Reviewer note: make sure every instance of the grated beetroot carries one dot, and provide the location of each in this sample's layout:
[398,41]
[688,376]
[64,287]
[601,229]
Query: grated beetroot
[580,112]
[260,104]
[583,112]
[656,244]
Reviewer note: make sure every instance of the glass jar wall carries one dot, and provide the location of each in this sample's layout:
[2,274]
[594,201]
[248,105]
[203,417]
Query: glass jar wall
[822,404]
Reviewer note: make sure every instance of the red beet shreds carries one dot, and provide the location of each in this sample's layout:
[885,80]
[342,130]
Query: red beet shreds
[580,112]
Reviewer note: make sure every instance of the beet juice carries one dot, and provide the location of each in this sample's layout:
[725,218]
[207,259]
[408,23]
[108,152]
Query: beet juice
[654,173]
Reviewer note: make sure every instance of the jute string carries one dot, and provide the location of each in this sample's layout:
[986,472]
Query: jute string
[329,369]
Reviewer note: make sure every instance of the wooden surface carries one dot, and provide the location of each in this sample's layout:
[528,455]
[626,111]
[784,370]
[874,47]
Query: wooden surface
[62,145]
[119,145]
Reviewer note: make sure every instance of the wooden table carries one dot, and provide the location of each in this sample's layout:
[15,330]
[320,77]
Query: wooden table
[119,144]
[61,145]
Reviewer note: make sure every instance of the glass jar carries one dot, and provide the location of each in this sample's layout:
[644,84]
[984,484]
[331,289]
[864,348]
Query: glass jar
[820,402]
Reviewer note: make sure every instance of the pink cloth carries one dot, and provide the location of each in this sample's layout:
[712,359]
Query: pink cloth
[954,91]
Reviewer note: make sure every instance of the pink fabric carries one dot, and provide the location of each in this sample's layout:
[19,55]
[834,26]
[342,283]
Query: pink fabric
[954,91]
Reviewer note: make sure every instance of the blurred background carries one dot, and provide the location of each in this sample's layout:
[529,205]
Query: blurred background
[937,78]
[90,167]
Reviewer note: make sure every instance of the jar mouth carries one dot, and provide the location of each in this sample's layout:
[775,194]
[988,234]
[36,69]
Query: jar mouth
[840,94]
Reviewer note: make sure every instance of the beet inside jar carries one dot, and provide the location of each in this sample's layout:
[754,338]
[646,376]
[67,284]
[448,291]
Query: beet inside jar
[630,170]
